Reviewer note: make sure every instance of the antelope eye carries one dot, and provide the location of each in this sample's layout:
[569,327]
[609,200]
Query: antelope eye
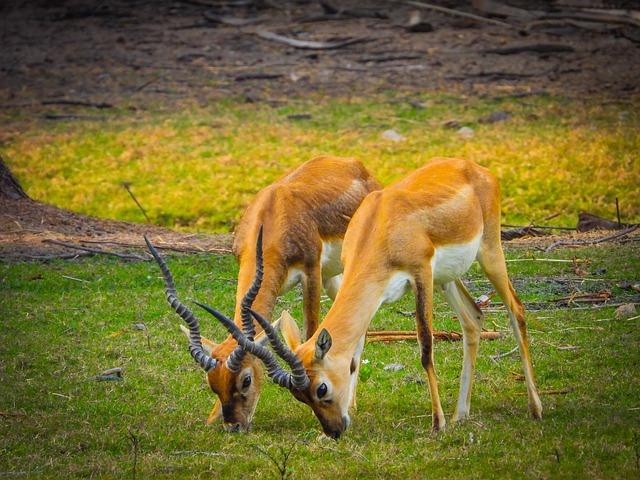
[322,390]
[246,382]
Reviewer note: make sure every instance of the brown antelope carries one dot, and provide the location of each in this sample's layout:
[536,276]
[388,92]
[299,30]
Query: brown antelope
[424,230]
[305,216]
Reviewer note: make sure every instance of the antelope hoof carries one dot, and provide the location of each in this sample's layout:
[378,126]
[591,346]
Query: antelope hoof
[439,423]
[536,412]
[459,417]
[535,408]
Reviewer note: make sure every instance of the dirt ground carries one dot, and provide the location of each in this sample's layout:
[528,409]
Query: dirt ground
[148,53]
[29,230]
[60,55]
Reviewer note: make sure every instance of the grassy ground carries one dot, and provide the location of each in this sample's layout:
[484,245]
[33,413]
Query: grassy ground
[67,321]
[189,167]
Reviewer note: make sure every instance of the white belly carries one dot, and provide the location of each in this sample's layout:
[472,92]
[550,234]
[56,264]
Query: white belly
[448,263]
[452,261]
[294,276]
[330,259]
[397,285]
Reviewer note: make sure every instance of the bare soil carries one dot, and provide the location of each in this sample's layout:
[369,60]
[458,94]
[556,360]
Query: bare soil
[59,58]
[27,228]
[153,53]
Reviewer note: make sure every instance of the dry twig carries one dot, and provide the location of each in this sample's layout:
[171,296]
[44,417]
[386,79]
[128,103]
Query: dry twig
[126,256]
[397,335]
[578,243]
[306,44]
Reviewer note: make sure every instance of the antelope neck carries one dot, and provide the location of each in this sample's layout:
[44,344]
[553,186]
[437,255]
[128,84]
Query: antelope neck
[349,317]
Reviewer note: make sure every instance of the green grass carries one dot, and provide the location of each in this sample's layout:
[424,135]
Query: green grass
[58,333]
[197,168]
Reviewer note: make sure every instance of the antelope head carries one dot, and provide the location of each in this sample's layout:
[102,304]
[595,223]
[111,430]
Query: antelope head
[317,378]
[234,376]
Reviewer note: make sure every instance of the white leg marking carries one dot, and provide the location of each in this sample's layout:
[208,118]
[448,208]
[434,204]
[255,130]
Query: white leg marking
[471,322]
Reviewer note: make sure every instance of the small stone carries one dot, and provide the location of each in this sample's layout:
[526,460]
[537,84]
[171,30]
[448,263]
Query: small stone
[139,326]
[392,135]
[299,116]
[394,367]
[466,132]
[452,124]
[483,301]
[295,77]
[108,378]
[626,311]
[111,375]
[413,378]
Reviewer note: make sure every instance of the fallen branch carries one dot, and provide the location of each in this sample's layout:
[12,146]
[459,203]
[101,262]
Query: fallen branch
[398,335]
[306,44]
[593,297]
[127,187]
[538,227]
[389,58]
[553,391]
[535,47]
[588,221]
[496,75]
[80,103]
[545,260]
[455,13]
[45,258]
[62,116]
[126,256]
[591,26]
[578,243]
[161,246]
[512,234]
[594,17]
[257,76]
[498,356]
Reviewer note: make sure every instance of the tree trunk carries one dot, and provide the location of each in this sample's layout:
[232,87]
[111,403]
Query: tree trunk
[9,186]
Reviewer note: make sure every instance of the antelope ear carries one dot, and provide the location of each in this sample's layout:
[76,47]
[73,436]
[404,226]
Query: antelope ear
[216,413]
[323,344]
[262,339]
[290,330]
[207,345]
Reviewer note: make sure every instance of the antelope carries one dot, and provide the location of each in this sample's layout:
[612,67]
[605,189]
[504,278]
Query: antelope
[305,216]
[422,231]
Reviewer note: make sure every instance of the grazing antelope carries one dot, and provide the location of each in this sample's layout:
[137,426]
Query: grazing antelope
[305,216]
[424,230]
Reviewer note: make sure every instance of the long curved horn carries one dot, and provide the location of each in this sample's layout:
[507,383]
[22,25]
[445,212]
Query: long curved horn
[274,370]
[234,361]
[195,341]
[247,301]
[299,374]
